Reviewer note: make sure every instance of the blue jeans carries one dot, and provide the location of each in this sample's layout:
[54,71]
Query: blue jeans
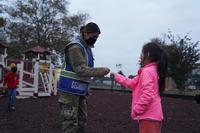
[11,96]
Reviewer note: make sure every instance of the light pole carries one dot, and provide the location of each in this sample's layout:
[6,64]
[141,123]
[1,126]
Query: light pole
[119,66]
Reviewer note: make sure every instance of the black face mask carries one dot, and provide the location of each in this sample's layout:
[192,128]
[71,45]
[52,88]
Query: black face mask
[90,41]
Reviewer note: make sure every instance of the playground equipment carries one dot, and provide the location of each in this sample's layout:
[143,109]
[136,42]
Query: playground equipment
[37,77]
[38,82]
[3,55]
[3,63]
[42,80]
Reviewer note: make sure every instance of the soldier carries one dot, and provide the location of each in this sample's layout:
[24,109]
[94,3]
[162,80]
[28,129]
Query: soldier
[74,79]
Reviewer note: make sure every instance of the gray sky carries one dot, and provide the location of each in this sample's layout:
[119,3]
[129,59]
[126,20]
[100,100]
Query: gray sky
[127,24]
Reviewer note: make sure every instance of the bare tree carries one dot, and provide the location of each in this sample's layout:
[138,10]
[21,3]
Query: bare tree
[46,23]
[183,56]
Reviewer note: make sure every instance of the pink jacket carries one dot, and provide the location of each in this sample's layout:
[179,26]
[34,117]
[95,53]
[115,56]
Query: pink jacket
[146,101]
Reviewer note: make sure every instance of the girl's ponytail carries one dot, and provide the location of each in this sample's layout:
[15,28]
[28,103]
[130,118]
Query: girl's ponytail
[162,70]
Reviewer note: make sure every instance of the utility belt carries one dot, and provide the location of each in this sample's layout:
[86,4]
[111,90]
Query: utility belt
[70,82]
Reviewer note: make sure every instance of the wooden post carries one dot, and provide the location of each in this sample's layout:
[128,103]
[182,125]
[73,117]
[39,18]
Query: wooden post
[36,71]
[21,75]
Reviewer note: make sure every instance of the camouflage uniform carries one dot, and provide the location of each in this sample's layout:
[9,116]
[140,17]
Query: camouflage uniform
[74,107]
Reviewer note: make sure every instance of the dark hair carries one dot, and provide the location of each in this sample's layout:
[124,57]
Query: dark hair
[14,69]
[92,28]
[155,53]
[82,29]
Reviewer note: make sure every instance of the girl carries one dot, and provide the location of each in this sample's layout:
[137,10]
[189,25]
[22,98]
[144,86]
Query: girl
[147,87]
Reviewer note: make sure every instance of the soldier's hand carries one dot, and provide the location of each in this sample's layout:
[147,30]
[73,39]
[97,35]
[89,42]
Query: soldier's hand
[106,70]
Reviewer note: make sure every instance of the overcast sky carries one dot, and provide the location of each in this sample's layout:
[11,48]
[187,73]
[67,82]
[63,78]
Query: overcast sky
[127,24]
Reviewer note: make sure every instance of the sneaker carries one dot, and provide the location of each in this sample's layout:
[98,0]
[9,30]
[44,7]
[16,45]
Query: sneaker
[13,108]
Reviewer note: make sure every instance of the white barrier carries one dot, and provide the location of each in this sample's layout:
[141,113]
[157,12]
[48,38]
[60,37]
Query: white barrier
[44,83]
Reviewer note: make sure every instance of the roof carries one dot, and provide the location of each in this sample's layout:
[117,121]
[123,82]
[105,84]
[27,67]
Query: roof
[37,50]
[3,45]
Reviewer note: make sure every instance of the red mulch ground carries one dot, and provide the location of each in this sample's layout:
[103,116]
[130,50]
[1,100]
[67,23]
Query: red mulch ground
[108,112]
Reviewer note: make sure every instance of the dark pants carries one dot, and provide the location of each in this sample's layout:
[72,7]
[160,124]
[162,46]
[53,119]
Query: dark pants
[74,113]
[11,96]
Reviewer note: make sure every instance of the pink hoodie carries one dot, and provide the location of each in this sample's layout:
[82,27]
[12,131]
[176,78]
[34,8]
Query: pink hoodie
[146,101]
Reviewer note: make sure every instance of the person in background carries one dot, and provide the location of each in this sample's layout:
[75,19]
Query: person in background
[75,76]
[11,81]
[147,88]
